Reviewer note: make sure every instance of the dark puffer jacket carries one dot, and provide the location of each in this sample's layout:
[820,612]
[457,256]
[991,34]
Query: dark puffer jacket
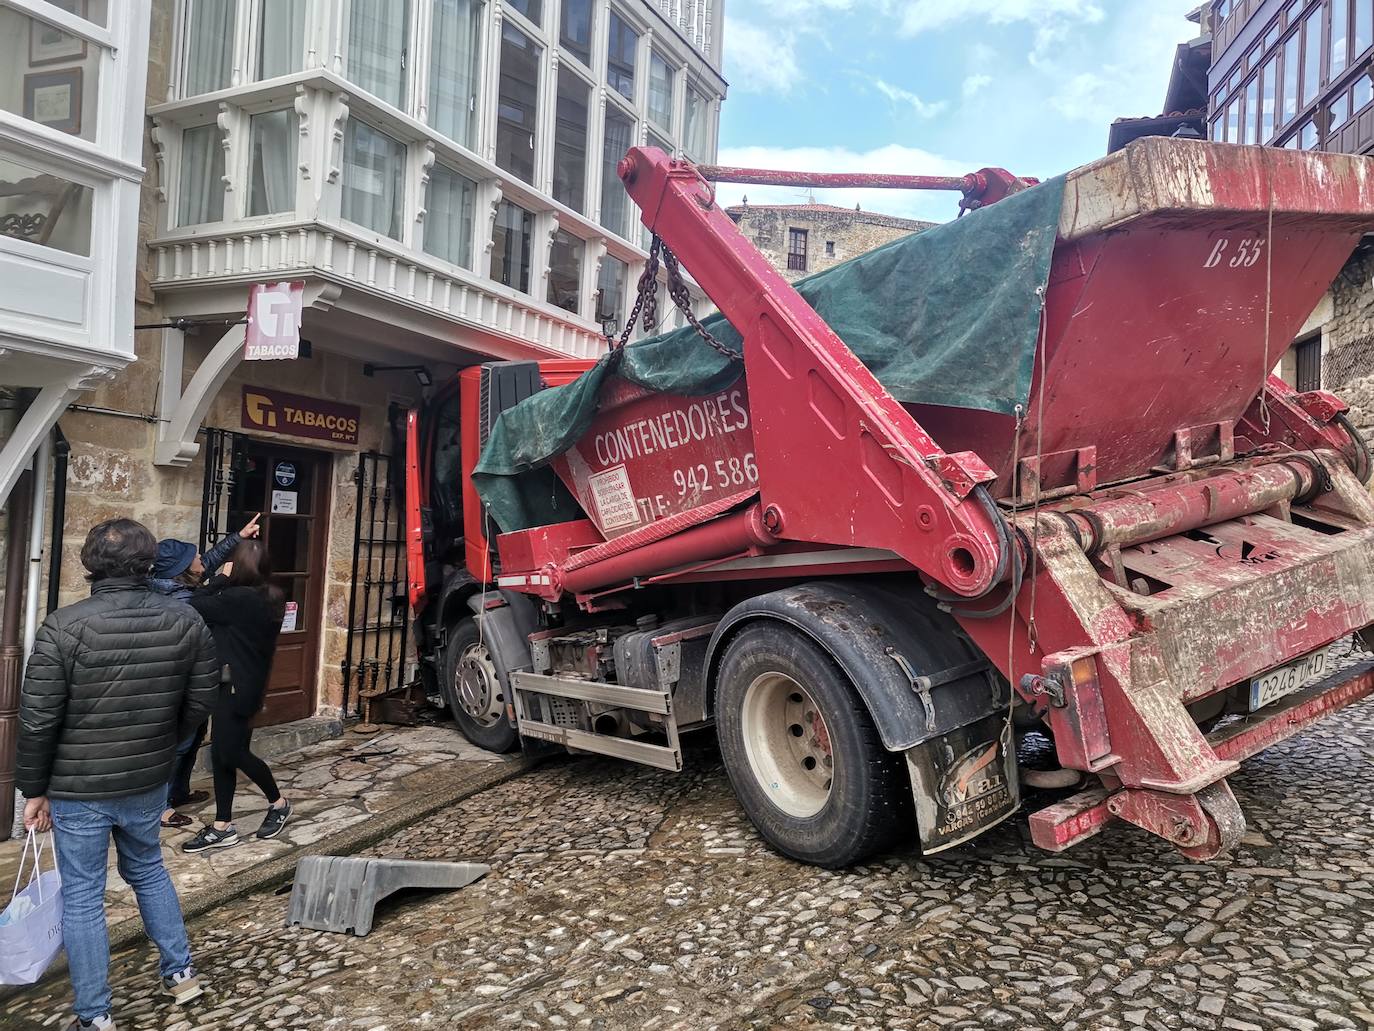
[114,682]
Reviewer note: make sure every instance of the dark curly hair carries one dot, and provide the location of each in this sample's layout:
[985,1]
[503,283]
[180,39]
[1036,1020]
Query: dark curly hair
[118,547]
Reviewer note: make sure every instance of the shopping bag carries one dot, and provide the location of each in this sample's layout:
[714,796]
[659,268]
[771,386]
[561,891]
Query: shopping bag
[31,925]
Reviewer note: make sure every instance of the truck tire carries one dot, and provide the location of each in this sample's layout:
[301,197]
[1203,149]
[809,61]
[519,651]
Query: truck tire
[473,690]
[802,753]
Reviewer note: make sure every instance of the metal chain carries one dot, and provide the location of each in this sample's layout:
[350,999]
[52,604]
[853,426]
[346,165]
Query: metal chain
[682,297]
[646,300]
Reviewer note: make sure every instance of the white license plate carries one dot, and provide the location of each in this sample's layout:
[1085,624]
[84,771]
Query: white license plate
[1286,679]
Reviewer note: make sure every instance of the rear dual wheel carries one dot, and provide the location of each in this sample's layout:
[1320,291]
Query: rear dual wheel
[802,752]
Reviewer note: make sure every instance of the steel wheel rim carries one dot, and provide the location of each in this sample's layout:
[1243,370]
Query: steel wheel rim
[788,744]
[477,687]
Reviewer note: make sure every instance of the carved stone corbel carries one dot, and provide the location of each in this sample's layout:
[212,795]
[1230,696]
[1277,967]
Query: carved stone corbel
[336,138]
[158,135]
[494,197]
[550,233]
[225,121]
[302,106]
[425,165]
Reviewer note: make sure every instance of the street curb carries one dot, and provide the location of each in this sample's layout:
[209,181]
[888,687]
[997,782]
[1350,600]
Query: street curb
[345,842]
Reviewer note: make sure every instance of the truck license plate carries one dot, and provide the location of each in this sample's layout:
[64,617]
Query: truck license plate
[1286,679]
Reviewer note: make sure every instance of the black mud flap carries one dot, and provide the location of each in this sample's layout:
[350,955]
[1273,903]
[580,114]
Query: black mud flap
[964,782]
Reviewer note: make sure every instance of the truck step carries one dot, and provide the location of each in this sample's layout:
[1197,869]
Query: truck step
[660,703]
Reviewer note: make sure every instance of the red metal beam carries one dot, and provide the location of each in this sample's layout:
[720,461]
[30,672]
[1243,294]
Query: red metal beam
[836,180]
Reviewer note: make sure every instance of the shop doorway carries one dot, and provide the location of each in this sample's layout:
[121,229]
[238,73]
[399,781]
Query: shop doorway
[290,487]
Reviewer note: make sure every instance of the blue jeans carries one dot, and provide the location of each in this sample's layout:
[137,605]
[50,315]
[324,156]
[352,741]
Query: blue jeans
[83,830]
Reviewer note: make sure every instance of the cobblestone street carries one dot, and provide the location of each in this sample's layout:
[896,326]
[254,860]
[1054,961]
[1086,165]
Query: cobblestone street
[627,898]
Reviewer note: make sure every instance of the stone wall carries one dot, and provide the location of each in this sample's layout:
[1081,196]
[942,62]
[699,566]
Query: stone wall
[1348,339]
[845,232]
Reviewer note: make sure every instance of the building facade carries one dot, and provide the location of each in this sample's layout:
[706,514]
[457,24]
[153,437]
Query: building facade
[800,239]
[1300,74]
[438,175]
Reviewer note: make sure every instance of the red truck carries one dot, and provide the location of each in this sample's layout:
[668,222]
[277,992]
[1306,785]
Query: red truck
[1145,552]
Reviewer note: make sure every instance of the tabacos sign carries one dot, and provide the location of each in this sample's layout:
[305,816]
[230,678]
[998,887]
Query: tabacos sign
[298,416]
[274,321]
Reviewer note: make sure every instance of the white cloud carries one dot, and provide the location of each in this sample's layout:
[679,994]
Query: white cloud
[906,98]
[924,15]
[893,158]
[758,60]
[974,84]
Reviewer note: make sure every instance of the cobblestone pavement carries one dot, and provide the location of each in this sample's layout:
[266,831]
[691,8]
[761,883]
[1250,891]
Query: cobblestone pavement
[628,898]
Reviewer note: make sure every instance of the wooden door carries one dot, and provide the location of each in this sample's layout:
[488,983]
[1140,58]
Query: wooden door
[290,487]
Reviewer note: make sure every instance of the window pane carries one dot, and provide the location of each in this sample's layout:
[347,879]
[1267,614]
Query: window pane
[448,220]
[47,75]
[281,37]
[201,193]
[1340,110]
[373,163]
[377,46]
[660,92]
[620,58]
[1219,130]
[1364,92]
[1308,138]
[510,251]
[1291,50]
[272,144]
[1340,35]
[209,44]
[610,293]
[45,209]
[531,9]
[655,140]
[1268,75]
[696,134]
[575,35]
[1312,56]
[570,142]
[565,272]
[615,202]
[453,66]
[518,104]
[1252,111]
[1233,122]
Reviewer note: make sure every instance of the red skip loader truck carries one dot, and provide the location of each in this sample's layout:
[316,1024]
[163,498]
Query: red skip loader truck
[1026,471]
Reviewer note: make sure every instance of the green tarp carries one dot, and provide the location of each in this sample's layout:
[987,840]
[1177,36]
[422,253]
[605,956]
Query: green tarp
[949,316]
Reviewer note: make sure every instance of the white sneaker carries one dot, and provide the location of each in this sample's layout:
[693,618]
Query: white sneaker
[183,987]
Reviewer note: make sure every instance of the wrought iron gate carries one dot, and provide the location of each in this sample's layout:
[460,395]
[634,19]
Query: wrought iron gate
[223,464]
[375,655]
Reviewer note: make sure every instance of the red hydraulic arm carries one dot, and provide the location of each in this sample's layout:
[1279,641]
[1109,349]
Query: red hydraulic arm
[979,188]
[840,461]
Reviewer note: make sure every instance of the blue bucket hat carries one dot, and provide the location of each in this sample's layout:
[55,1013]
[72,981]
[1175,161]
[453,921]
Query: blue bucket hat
[173,558]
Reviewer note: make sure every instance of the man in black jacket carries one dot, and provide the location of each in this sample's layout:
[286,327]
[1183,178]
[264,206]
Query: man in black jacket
[114,682]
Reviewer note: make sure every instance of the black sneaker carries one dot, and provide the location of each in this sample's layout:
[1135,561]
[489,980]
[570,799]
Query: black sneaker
[183,987]
[275,820]
[209,837]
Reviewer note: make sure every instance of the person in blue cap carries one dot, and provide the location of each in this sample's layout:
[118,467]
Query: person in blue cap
[178,570]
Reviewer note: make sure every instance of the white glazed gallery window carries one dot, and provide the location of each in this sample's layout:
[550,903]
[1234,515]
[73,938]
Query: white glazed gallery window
[281,37]
[208,30]
[565,272]
[610,293]
[615,202]
[510,250]
[696,133]
[377,35]
[517,107]
[45,209]
[200,194]
[531,9]
[660,92]
[272,162]
[453,67]
[48,76]
[372,190]
[620,57]
[449,216]
[575,32]
[570,140]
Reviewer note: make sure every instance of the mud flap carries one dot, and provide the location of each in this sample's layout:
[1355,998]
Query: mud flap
[964,782]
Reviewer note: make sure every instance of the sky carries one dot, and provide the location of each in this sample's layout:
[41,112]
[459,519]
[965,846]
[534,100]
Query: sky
[937,87]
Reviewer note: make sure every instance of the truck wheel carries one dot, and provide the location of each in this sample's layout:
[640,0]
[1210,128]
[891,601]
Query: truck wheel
[803,755]
[473,690]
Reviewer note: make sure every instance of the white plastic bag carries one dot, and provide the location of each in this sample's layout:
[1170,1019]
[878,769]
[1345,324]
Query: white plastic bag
[31,925]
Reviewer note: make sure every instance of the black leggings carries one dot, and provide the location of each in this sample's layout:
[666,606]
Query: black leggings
[229,737]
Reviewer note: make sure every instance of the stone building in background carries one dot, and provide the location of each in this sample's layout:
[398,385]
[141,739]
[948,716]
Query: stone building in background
[439,175]
[800,239]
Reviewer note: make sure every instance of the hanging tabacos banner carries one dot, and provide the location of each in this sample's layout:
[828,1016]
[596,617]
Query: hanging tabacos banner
[274,321]
[298,416]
